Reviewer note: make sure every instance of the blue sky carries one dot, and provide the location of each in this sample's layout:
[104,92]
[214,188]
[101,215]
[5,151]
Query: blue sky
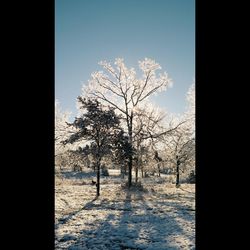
[88,31]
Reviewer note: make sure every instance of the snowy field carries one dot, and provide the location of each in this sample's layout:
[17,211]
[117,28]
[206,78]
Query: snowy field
[157,216]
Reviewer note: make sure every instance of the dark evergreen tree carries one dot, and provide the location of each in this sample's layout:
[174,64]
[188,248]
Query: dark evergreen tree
[98,125]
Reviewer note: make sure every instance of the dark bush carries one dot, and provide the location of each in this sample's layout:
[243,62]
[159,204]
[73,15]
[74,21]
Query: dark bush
[104,171]
[191,177]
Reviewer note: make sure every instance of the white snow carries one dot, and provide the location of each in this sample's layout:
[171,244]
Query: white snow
[158,217]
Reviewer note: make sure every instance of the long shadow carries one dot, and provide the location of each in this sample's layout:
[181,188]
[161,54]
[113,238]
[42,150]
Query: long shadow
[99,236]
[88,238]
[181,205]
[176,205]
[155,228]
[64,220]
[116,237]
[147,228]
[124,230]
[137,226]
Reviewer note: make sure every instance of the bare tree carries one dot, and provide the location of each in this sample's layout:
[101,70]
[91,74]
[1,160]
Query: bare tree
[181,142]
[62,131]
[123,90]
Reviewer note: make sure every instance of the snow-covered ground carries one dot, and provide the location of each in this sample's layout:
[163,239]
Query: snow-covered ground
[159,216]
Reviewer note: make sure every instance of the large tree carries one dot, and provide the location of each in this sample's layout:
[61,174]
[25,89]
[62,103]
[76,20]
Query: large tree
[121,88]
[98,125]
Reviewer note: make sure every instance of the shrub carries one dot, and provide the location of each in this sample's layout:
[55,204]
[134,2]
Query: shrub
[104,171]
[191,177]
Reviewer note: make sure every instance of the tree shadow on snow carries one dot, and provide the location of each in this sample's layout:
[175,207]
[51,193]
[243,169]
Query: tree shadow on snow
[65,219]
[151,229]
[138,225]
[93,239]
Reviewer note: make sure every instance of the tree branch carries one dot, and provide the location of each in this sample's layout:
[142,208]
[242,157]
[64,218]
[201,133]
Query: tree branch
[102,97]
[143,88]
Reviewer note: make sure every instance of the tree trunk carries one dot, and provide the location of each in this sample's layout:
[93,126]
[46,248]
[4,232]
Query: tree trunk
[177,175]
[136,174]
[142,172]
[122,171]
[130,161]
[98,179]
[159,173]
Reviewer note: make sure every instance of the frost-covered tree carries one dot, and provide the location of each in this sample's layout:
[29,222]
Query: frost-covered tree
[189,115]
[191,101]
[148,126]
[152,126]
[71,160]
[120,87]
[60,125]
[61,132]
[183,151]
[97,124]
[181,142]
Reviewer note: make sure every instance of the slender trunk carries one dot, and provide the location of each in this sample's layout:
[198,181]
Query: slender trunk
[98,165]
[141,171]
[177,174]
[122,171]
[130,161]
[98,179]
[159,173]
[138,160]
[136,174]
[130,171]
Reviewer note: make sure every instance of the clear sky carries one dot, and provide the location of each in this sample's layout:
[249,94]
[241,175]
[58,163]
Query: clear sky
[88,31]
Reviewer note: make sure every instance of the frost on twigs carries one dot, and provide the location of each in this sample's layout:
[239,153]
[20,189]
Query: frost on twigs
[121,82]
